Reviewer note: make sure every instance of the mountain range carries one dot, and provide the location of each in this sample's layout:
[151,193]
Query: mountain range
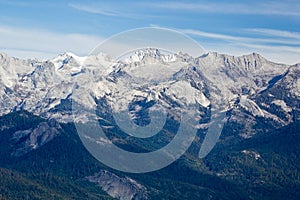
[256,156]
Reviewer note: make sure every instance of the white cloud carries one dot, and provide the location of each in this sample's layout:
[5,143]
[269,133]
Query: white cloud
[95,10]
[290,8]
[242,39]
[131,11]
[41,44]
[138,9]
[277,33]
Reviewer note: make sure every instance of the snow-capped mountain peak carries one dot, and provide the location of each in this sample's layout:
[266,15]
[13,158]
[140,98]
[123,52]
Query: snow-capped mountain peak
[152,55]
[46,88]
[68,62]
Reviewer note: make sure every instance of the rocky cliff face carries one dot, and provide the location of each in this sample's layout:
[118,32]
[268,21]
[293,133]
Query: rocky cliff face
[123,188]
[28,140]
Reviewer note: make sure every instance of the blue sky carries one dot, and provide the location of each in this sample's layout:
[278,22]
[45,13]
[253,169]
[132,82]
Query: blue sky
[44,29]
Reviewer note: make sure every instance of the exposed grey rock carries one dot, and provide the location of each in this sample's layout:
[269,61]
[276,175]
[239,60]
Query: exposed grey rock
[123,188]
[28,140]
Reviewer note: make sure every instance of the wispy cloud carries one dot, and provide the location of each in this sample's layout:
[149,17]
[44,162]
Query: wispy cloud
[208,34]
[218,36]
[275,7]
[281,48]
[106,10]
[277,33]
[43,44]
[111,9]
[292,8]
[96,10]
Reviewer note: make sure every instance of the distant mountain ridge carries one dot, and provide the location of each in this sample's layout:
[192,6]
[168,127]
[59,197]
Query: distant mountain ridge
[39,87]
[255,155]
